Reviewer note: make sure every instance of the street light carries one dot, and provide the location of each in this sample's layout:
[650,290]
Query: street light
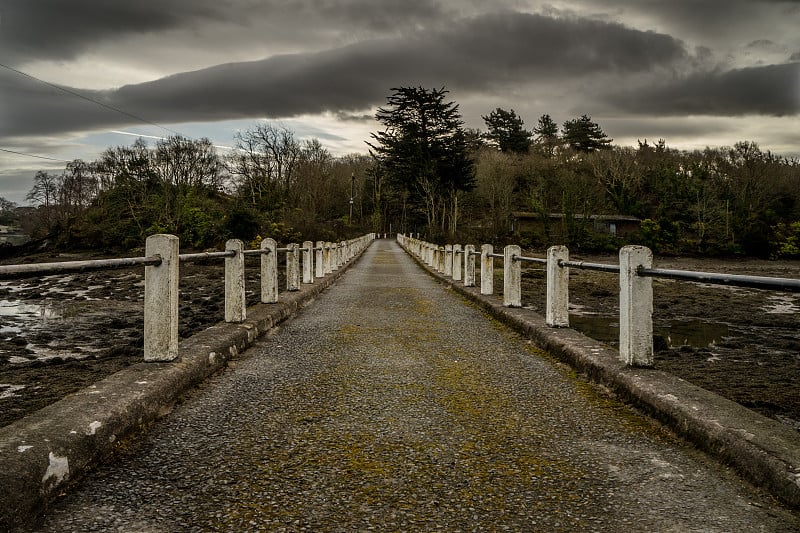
[352,195]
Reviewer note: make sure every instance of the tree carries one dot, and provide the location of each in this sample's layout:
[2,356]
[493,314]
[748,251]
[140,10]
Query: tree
[424,151]
[265,162]
[546,135]
[6,205]
[584,135]
[506,131]
[44,195]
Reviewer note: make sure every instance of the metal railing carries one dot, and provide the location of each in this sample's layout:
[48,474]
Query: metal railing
[162,276]
[635,271]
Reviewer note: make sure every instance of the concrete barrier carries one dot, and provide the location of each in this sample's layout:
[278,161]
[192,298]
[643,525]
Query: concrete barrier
[762,450]
[45,453]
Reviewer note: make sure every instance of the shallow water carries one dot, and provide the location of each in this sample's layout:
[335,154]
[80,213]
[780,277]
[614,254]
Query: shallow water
[687,332]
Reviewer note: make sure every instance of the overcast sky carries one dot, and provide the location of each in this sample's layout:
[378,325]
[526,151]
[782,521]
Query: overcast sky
[694,72]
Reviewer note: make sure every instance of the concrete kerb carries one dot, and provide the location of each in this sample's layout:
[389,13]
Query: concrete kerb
[45,453]
[762,450]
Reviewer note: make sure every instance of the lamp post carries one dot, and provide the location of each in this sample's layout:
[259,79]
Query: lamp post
[352,194]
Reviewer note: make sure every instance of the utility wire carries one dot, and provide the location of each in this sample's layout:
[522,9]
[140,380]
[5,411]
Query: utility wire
[34,155]
[88,99]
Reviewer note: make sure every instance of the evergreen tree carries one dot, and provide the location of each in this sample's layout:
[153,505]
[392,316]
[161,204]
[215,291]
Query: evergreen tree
[584,135]
[424,151]
[507,132]
[546,132]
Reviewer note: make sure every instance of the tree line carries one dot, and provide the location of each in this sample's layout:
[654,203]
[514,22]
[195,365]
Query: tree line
[427,173]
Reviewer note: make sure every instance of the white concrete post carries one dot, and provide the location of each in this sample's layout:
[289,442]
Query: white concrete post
[469,265]
[292,267]
[457,262]
[319,262]
[342,253]
[442,260]
[635,307]
[235,303]
[308,262]
[269,272]
[512,277]
[161,299]
[448,260]
[487,269]
[326,253]
[335,256]
[557,306]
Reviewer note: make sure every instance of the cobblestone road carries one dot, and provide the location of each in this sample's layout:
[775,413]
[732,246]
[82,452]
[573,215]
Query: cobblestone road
[390,404]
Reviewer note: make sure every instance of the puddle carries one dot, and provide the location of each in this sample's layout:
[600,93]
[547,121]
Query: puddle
[9,391]
[781,304]
[691,332]
[16,308]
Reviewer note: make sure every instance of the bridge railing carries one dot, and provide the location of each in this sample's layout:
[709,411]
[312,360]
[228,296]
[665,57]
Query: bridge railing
[635,270]
[161,263]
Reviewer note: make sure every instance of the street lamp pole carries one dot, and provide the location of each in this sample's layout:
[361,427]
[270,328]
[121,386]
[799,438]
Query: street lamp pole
[352,194]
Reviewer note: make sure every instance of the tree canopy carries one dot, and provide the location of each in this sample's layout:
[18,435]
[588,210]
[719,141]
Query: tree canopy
[506,130]
[423,150]
[584,135]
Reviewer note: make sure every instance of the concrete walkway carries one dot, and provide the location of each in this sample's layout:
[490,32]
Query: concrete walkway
[390,404]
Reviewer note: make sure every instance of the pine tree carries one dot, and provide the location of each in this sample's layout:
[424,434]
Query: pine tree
[584,135]
[424,151]
[507,132]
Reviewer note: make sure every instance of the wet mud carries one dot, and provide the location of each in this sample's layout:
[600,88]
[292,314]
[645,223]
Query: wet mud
[741,343]
[59,334]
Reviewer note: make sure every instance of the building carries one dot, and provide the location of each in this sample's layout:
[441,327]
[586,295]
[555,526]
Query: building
[617,225]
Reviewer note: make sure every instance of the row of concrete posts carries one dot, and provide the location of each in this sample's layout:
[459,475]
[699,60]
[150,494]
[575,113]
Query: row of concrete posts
[635,297]
[303,262]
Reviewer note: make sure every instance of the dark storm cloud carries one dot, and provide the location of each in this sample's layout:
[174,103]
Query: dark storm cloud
[58,30]
[769,90]
[471,55]
[53,29]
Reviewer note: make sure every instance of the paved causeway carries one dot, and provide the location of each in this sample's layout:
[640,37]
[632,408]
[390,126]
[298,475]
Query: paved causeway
[390,404]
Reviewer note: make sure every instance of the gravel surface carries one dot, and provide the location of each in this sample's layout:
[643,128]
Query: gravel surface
[391,405]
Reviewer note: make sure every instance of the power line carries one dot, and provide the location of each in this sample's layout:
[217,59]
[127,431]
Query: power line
[34,155]
[88,99]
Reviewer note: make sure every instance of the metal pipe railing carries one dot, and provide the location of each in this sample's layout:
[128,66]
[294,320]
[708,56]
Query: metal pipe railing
[634,269]
[713,278]
[202,256]
[68,267]
[162,284]
[583,265]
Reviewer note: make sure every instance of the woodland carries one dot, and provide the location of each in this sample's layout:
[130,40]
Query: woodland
[424,173]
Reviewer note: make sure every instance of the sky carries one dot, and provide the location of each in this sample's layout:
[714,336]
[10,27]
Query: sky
[696,73]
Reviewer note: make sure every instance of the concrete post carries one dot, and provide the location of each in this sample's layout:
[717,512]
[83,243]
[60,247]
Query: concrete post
[469,265]
[161,299]
[319,262]
[269,272]
[327,258]
[442,260]
[448,260]
[487,269]
[557,306]
[457,262]
[335,256]
[512,277]
[292,267]
[308,262]
[635,307]
[235,303]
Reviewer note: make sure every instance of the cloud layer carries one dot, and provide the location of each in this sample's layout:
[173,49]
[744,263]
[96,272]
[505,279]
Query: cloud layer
[215,60]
